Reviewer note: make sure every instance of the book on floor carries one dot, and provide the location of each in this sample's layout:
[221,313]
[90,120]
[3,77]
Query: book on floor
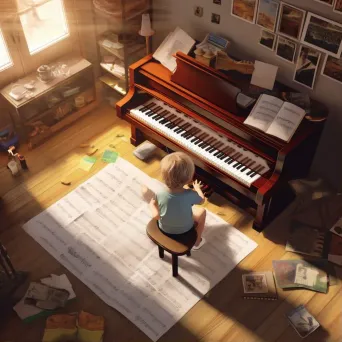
[259,285]
[306,240]
[300,273]
[302,321]
[275,117]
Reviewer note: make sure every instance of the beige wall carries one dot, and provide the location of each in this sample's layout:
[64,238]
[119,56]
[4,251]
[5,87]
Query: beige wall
[244,36]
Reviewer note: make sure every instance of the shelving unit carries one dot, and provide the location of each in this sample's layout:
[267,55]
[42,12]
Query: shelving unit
[117,24]
[53,105]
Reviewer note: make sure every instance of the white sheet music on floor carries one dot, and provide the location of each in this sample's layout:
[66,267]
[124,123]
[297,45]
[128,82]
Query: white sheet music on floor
[98,233]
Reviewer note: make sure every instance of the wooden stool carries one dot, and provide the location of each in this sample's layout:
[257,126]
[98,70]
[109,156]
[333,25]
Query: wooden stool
[165,243]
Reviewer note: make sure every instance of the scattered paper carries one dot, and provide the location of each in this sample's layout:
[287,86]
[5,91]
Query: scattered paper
[264,75]
[99,234]
[87,163]
[178,40]
[110,156]
[29,312]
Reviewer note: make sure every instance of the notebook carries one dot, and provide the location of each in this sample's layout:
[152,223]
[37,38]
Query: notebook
[259,285]
[275,117]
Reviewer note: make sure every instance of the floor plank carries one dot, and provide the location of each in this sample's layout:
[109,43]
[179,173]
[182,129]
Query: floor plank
[222,315]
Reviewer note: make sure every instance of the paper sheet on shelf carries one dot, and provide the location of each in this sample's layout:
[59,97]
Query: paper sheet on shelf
[102,240]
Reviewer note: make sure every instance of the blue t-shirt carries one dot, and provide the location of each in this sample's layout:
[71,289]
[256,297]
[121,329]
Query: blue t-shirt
[175,210]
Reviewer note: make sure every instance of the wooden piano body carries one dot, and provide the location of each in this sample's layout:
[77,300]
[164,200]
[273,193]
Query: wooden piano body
[209,97]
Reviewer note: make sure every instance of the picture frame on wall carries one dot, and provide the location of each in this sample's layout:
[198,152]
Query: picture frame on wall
[267,14]
[245,10]
[291,21]
[268,39]
[323,34]
[326,2]
[338,6]
[332,68]
[307,66]
[286,49]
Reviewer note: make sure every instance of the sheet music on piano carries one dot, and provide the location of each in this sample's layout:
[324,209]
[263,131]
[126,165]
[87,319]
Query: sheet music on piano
[178,40]
[275,117]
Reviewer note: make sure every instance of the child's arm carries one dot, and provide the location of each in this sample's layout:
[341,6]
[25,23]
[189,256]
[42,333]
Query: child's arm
[154,209]
[197,188]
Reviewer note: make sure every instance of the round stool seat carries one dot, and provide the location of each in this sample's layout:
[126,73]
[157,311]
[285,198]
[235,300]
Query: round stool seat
[180,247]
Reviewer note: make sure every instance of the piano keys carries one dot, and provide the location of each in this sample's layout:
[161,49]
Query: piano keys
[182,112]
[223,153]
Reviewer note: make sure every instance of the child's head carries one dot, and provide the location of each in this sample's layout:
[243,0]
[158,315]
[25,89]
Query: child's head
[177,169]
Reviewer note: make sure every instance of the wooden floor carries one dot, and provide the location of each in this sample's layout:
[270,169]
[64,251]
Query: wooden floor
[222,315]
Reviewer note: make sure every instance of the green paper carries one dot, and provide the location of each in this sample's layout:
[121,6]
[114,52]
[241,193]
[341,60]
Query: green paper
[110,156]
[87,163]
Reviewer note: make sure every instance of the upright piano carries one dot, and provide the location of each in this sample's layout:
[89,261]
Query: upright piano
[194,110]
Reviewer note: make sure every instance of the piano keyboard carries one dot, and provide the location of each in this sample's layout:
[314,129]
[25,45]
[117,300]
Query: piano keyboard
[223,153]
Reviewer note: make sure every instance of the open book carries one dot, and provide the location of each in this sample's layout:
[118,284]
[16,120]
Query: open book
[275,117]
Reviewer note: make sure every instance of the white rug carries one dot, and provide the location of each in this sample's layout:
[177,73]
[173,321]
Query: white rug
[98,233]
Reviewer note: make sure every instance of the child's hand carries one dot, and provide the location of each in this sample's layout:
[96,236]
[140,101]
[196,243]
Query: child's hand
[197,185]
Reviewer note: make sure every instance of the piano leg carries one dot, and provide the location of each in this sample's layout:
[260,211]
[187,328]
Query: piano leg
[137,137]
[261,216]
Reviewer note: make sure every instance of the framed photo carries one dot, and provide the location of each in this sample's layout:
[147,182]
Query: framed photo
[326,2]
[338,6]
[323,34]
[286,49]
[267,14]
[255,283]
[332,68]
[198,11]
[215,18]
[245,10]
[291,21]
[306,66]
[268,39]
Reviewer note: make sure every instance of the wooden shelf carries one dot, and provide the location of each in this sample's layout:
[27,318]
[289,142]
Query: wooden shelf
[112,72]
[131,49]
[113,83]
[66,121]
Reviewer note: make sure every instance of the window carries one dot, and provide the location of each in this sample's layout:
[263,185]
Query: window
[5,58]
[44,23]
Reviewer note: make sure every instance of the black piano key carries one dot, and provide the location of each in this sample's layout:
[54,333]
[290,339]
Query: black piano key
[228,160]
[244,169]
[231,161]
[240,166]
[223,157]
[250,173]
[149,112]
[253,174]
[147,108]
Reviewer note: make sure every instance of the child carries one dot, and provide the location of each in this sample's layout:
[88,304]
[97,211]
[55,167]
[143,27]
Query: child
[173,207]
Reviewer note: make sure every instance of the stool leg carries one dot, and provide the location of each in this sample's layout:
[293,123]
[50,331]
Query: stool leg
[188,254]
[161,252]
[174,265]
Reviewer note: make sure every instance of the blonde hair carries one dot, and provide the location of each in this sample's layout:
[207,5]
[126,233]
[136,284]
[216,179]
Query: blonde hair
[177,169]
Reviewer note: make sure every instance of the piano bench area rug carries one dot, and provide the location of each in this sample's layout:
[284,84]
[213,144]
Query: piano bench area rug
[98,232]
